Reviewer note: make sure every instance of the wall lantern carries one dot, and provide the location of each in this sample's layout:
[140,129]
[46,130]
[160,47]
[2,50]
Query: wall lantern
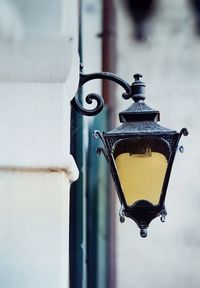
[140,152]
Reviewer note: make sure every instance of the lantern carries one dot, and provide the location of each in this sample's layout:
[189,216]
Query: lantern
[140,154]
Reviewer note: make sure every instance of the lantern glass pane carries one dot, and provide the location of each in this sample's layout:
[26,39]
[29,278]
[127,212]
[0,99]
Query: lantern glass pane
[141,169]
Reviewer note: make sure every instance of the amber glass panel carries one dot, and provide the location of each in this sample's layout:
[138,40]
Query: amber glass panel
[141,175]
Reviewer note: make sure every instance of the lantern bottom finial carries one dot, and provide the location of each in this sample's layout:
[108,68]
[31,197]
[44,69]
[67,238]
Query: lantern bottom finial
[143,232]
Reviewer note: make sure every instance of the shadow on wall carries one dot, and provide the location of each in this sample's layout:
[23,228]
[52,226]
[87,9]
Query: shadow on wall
[195,6]
[11,24]
[142,12]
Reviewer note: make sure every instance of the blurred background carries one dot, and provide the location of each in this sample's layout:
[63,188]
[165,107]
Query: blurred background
[160,40]
[39,70]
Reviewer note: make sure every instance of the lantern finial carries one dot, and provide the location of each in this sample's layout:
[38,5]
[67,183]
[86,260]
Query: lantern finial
[138,88]
[137,77]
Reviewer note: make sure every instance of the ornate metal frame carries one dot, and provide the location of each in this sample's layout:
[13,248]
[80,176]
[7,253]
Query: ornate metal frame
[142,212]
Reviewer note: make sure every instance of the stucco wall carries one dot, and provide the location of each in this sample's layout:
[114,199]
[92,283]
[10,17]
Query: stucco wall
[39,73]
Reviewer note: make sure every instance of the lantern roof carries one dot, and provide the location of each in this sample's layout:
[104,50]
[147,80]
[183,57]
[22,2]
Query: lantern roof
[139,111]
[139,118]
[142,127]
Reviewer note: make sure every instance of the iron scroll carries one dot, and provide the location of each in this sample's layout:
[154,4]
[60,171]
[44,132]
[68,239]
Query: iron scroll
[90,98]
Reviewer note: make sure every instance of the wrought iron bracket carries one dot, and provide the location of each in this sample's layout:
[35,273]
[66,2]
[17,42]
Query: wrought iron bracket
[90,98]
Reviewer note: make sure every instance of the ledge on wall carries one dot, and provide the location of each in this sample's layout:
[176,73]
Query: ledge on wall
[42,59]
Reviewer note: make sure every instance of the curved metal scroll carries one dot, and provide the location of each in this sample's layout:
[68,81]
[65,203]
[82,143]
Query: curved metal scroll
[84,78]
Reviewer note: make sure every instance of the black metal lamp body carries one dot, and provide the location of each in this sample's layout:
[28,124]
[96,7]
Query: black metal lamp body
[140,154]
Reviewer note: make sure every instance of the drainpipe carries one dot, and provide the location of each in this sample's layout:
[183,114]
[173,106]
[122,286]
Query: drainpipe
[108,91]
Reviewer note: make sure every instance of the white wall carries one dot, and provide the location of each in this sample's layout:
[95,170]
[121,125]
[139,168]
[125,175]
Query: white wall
[39,73]
[33,229]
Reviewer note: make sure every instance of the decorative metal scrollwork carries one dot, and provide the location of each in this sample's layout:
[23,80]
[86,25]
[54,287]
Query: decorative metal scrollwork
[184,132]
[163,215]
[90,98]
[121,214]
[97,134]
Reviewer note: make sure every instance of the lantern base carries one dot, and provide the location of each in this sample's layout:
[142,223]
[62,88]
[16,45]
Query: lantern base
[142,212]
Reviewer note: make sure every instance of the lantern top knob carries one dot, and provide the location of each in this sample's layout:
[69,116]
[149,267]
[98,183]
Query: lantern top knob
[138,88]
[137,77]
